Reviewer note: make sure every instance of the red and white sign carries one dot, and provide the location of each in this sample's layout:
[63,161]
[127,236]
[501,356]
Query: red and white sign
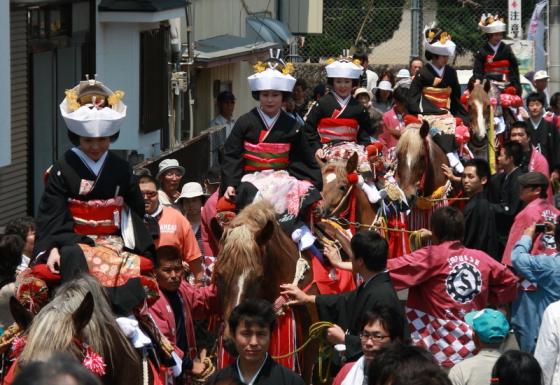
[515,30]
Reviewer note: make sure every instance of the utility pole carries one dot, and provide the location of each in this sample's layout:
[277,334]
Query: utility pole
[415,30]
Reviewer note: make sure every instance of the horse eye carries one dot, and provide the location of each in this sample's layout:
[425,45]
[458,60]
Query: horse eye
[342,188]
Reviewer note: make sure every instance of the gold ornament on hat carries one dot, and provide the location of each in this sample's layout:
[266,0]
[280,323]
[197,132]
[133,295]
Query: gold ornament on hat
[115,97]
[288,68]
[259,67]
[72,98]
[357,62]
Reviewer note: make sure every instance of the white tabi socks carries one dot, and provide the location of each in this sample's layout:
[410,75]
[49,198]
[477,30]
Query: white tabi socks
[454,162]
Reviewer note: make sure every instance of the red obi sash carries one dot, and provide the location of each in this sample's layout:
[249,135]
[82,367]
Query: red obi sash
[440,97]
[496,68]
[331,129]
[96,217]
[266,156]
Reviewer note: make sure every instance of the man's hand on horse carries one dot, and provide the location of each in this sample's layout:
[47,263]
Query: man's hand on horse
[335,335]
[448,172]
[295,295]
[198,364]
[230,193]
[53,262]
[320,154]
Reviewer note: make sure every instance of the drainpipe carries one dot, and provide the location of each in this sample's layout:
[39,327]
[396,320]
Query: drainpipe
[415,28]
[189,63]
[554,47]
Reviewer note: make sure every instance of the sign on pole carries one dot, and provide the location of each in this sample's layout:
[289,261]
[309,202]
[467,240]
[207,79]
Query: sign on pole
[514,19]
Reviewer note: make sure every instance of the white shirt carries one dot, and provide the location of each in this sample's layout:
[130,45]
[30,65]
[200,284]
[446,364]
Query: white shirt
[547,351]
[475,370]
[221,121]
[268,121]
[495,47]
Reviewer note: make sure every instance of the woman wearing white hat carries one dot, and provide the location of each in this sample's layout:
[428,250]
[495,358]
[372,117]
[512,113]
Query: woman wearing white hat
[337,116]
[435,90]
[266,138]
[91,200]
[495,59]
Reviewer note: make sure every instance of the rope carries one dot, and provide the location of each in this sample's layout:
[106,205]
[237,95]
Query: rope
[316,332]
[205,375]
[491,142]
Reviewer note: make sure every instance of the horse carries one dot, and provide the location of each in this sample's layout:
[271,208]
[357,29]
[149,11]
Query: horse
[79,320]
[256,256]
[419,172]
[480,113]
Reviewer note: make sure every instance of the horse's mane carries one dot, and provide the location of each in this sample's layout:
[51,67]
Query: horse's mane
[411,144]
[239,251]
[338,167]
[53,329]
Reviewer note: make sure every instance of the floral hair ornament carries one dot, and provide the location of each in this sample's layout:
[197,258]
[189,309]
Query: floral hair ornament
[92,360]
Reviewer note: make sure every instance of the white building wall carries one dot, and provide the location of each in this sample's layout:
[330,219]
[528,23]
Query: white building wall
[5,104]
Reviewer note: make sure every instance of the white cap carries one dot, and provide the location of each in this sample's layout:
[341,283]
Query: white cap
[442,46]
[539,75]
[491,24]
[169,164]
[191,190]
[403,74]
[272,75]
[363,91]
[85,119]
[384,85]
[344,68]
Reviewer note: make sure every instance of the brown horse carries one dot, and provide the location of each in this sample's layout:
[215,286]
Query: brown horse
[479,112]
[255,257]
[80,314]
[339,194]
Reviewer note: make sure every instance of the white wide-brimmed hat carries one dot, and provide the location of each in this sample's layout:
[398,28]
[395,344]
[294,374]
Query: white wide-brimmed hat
[363,90]
[539,75]
[92,110]
[438,42]
[384,85]
[191,190]
[169,164]
[403,74]
[272,74]
[344,68]
[491,23]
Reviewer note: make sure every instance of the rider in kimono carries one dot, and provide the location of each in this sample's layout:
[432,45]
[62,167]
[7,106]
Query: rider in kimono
[495,59]
[90,214]
[435,93]
[338,118]
[267,152]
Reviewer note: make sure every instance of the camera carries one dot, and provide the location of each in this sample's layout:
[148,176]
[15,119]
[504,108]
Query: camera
[540,228]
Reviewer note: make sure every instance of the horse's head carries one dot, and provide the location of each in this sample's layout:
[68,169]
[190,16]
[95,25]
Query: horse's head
[413,158]
[336,185]
[479,108]
[251,261]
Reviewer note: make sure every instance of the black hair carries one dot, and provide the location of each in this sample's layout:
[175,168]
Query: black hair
[535,97]
[11,246]
[141,171]
[319,91]
[220,380]
[388,317]
[20,226]
[302,83]
[214,173]
[252,311]
[285,95]
[355,82]
[554,99]
[482,167]
[361,56]
[54,372]
[429,55]
[413,59]
[516,368]
[372,248]
[148,179]
[521,124]
[167,253]
[448,224]
[400,94]
[557,233]
[515,151]
[401,364]
[75,138]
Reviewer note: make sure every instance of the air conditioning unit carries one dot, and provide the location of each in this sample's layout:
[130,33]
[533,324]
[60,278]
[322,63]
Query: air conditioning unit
[302,16]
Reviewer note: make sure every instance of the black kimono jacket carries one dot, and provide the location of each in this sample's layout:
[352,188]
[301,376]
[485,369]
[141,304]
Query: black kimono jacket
[55,226]
[425,78]
[271,373]
[325,107]
[302,164]
[347,310]
[480,226]
[504,53]
[545,139]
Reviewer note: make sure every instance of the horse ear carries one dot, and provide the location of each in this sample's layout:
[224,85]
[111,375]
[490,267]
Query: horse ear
[352,163]
[22,316]
[264,234]
[83,313]
[424,129]
[486,85]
